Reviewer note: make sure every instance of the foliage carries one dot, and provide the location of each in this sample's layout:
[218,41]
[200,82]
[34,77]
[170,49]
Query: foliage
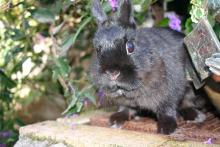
[203,9]
[43,42]
[198,10]
[7,120]
[45,48]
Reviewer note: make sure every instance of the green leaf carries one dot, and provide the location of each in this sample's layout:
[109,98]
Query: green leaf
[217,30]
[64,66]
[11,53]
[5,95]
[199,13]
[144,4]
[44,15]
[188,26]
[91,97]
[61,68]
[71,111]
[107,8]
[211,20]
[85,89]
[6,81]
[57,7]
[68,42]
[57,28]
[87,93]
[55,74]
[16,50]
[79,106]
[19,122]
[25,24]
[199,2]
[72,38]
[18,65]
[17,35]
[163,23]
[67,4]
[71,105]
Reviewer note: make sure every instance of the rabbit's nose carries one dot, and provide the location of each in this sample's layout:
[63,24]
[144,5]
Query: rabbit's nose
[113,74]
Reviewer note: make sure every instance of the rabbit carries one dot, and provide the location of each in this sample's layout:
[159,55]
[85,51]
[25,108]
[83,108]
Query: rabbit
[139,68]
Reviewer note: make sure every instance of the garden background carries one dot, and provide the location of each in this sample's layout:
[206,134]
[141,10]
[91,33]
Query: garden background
[45,50]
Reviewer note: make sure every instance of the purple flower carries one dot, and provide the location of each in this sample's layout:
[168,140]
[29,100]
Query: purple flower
[3,145]
[209,141]
[174,22]
[86,102]
[6,134]
[75,115]
[101,96]
[73,126]
[40,37]
[113,4]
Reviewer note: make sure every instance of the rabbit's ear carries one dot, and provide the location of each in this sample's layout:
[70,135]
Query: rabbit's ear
[98,12]
[125,17]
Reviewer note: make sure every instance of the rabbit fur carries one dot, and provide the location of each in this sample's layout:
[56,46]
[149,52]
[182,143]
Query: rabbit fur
[151,78]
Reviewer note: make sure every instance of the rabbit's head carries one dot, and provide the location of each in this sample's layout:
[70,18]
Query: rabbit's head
[115,46]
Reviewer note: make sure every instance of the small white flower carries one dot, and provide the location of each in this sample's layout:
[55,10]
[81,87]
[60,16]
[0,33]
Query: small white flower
[2,26]
[137,8]
[26,67]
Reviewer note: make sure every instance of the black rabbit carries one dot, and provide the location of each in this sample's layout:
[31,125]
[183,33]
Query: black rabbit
[139,68]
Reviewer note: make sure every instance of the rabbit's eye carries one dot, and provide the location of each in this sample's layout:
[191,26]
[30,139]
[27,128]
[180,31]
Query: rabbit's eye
[129,47]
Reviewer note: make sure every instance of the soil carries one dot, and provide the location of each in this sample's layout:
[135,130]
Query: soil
[200,132]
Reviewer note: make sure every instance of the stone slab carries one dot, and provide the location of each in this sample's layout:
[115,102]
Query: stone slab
[75,132]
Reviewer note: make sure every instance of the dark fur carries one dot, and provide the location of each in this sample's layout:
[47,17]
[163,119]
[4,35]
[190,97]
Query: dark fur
[152,78]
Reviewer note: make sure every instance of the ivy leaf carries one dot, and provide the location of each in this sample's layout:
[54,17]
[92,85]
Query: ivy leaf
[44,15]
[199,13]
[199,2]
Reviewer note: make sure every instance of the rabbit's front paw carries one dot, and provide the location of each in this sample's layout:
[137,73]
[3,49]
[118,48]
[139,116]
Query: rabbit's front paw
[117,119]
[193,115]
[166,124]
